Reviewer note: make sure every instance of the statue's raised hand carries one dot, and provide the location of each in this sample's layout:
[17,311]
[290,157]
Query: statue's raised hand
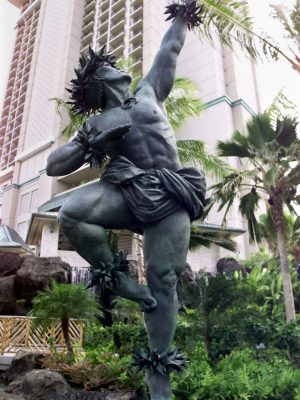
[189,9]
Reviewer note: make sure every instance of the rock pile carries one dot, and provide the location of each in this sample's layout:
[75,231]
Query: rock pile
[22,277]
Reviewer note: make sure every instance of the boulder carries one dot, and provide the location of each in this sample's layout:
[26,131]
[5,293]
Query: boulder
[22,363]
[10,263]
[7,295]
[50,385]
[41,385]
[9,396]
[229,265]
[36,273]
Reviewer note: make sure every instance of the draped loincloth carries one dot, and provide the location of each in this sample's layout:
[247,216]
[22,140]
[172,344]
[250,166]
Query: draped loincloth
[154,194]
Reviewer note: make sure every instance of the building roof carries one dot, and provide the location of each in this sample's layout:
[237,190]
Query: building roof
[11,241]
[37,221]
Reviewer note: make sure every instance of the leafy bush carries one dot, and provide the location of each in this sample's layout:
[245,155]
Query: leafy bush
[119,338]
[244,374]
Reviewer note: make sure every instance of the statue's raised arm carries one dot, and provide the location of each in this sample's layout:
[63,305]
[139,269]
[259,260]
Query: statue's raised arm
[162,73]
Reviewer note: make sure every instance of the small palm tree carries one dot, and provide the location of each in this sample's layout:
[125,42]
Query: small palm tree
[61,302]
[272,173]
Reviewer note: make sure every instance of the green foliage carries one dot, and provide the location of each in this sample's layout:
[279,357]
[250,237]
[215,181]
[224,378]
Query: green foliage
[239,310]
[63,300]
[183,102]
[271,171]
[244,374]
[120,338]
[126,311]
[75,121]
[193,152]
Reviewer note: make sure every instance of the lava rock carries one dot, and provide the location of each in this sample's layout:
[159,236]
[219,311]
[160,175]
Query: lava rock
[37,273]
[10,263]
[9,396]
[229,265]
[7,295]
[22,363]
[41,385]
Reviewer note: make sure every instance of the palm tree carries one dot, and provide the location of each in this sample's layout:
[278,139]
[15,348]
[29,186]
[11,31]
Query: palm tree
[61,302]
[232,22]
[272,173]
[292,230]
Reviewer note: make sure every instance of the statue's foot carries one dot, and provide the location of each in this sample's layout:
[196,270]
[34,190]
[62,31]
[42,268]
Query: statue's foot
[148,304]
[131,290]
[159,386]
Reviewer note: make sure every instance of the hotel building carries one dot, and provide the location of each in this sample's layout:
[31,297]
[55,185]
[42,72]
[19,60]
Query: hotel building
[50,37]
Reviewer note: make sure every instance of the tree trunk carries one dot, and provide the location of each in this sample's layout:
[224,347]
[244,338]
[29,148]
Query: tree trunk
[277,214]
[65,330]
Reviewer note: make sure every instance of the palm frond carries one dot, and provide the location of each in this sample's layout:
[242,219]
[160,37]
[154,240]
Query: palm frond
[248,207]
[225,192]
[202,239]
[237,146]
[193,152]
[286,131]
[75,120]
[280,108]
[232,21]
[183,102]
[289,21]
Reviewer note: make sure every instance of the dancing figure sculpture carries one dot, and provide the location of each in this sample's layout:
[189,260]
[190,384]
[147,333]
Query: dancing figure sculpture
[143,187]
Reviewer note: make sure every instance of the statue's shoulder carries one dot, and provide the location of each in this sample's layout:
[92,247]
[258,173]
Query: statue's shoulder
[144,89]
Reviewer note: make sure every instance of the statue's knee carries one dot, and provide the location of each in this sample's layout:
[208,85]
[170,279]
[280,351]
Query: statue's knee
[65,220]
[165,281]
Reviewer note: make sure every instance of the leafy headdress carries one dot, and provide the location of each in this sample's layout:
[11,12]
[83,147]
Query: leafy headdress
[81,100]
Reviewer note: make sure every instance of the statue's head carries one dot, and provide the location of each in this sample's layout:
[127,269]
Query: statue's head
[97,70]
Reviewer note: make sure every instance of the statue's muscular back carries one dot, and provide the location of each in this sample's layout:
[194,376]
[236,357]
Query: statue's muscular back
[150,142]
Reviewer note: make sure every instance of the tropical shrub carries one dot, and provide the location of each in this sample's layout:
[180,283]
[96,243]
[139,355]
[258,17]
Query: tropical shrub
[244,374]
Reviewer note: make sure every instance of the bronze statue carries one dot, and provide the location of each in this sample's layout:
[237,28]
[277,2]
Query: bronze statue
[143,187]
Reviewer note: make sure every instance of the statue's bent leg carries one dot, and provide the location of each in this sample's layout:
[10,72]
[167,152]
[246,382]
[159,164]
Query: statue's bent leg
[165,249]
[83,219]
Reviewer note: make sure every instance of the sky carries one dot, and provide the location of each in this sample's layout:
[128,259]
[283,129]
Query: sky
[272,77]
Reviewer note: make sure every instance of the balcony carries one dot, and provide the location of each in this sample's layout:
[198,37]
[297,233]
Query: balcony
[87,28]
[117,27]
[86,40]
[136,11]
[117,40]
[136,52]
[90,6]
[116,15]
[117,5]
[136,23]
[136,38]
[89,17]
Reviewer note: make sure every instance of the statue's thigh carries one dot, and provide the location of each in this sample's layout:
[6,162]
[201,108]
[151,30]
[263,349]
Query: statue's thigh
[102,204]
[166,244]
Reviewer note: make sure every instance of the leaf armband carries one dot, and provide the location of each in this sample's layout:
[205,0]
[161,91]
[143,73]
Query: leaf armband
[191,11]
[106,276]
[164,363]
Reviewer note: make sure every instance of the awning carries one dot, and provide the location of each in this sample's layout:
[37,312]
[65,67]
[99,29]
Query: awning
[11,241]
